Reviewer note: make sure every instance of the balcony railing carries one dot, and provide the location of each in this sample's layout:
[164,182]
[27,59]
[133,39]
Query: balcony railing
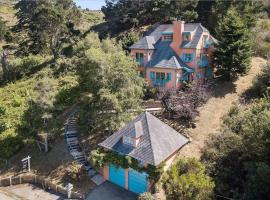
[159,82]
[203,63]
[140,62]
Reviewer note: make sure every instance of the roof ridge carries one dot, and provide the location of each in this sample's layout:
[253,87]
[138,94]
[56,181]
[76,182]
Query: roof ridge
[146,113]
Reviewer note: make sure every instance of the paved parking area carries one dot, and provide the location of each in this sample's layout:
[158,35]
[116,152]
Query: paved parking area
[109,191]
[26,192]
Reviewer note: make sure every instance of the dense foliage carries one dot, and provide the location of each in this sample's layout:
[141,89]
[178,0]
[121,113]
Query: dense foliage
[260,37]
[261,85]
[233,50]
[47,25]
[238,157]
[187,179]
[122,14]
[109,76]
[210,12]
[100,158]
[146,196]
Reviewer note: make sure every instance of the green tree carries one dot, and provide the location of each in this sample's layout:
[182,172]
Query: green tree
[46,24]
[110,78]
[127,14]
[258,182]
[210,11]
[187,179]
[236,156]
[233,51]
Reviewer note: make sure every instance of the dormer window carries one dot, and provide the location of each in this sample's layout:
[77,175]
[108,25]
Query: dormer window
[186,36]
[167,37]
[128,140]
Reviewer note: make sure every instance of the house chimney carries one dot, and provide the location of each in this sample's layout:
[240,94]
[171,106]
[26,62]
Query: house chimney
[178,29]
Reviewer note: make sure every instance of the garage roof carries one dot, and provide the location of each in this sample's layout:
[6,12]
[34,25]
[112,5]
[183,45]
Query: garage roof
[158,140]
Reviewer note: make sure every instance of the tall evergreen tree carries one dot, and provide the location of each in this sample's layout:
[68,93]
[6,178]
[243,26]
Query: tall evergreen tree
[233,51]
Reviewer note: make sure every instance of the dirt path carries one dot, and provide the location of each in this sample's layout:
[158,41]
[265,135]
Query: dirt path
[209,121]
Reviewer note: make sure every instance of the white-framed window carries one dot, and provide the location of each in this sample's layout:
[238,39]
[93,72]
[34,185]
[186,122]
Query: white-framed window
[128,140]
[168,37]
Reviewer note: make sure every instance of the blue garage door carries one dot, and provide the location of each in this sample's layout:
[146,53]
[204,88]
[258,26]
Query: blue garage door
[117,175]
[137,182]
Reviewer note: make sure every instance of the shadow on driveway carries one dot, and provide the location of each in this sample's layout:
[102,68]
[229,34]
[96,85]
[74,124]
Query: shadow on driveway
[109,191]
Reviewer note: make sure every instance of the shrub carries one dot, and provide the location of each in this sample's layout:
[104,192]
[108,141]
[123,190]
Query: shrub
[75,172]
[10,143]
[26,65]
[183,105]
[262,83]
[129,39]
[146,196]
[187,179]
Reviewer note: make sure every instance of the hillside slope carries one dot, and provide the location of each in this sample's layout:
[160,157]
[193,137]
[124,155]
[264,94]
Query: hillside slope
[209,121]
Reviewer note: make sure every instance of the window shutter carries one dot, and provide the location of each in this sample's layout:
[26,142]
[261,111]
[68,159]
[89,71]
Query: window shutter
[152,75]
[191,57]
[184,57]
[169,76]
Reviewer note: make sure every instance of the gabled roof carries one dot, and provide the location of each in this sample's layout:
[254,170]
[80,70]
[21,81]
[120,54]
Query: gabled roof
[156,32]
[165,57]
[158,140]
[146,42]
[195,39]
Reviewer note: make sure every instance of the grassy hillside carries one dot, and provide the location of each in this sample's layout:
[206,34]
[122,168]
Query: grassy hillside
[27,101]
[7,12]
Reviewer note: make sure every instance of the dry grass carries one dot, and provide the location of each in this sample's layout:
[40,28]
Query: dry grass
[209,121]
[52,165]
[8,14]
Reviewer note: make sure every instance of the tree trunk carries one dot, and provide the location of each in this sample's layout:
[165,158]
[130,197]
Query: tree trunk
[4,65]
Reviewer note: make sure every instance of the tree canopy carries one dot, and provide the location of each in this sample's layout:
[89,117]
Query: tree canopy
[110,78]
[238,158]
[45,25]
[233,50]
[187,179]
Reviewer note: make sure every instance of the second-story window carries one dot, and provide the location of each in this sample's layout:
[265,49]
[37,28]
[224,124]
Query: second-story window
[140,58]
[187,57]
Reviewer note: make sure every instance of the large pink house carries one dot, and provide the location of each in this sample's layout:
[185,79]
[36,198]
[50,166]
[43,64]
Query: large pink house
[171,54]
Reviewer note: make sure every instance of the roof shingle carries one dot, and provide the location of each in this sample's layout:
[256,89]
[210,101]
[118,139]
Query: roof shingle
[158,140]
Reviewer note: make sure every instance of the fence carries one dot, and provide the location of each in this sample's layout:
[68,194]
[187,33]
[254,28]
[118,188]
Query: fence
[39,181]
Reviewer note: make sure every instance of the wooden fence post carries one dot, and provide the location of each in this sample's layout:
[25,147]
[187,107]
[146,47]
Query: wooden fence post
[10,180]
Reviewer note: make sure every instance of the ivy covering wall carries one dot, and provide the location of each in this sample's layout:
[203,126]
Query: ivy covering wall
[99,158]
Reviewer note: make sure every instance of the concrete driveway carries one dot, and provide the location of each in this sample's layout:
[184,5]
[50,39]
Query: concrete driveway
[109,191]
[26,192]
